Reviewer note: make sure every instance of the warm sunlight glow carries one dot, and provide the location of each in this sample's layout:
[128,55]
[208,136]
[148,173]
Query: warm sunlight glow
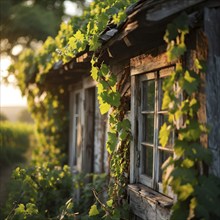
[71,9]
[17,49]
[9,95]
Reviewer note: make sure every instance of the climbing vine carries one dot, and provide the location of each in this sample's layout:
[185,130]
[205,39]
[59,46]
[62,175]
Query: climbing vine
[197,191]
[185,172]
[49,104]
[113,100]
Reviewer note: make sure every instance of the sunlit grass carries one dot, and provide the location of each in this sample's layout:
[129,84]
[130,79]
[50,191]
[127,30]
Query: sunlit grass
[16,140]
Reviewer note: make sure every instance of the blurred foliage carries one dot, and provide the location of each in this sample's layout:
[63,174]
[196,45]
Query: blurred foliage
[49,102]
[86,185]
[3,117]
[42,189]
[26,21]
[25,116]
[38,192]
[49,191]
[15,140]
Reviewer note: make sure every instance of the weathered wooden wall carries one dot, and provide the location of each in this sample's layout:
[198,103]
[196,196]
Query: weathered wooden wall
[100,152]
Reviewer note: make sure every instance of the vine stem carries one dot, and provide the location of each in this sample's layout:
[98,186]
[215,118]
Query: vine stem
[99,201]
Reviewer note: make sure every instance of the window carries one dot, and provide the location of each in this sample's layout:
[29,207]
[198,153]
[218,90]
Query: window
[82,129]
[150,119]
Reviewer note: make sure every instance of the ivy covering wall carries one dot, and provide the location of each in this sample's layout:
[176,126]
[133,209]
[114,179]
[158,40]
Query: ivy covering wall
[49,106]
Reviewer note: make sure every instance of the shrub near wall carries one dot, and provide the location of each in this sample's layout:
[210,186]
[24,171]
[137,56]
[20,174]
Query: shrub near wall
[15,140]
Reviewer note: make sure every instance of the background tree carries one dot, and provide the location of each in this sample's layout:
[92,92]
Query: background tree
[25,22]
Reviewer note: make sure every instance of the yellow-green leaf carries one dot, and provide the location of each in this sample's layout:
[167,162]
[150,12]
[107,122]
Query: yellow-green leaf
[164,134]
[185,191]
[187,163]
[188,77]
[79,36]
[104,108]
[109,203]
[93,210]
[94,73]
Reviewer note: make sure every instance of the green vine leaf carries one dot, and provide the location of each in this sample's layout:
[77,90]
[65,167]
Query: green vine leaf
[192,132]
[191,82]
[185,191]
[208,195]
[94,73]
[109,203]
[112,98]
[104,107]
[117,18]
[175,51]
[188,163]
[104,70]
[166,101]
[20,209]
[93,211]
[123,135]
[164,134]
[112,142]
[171,32]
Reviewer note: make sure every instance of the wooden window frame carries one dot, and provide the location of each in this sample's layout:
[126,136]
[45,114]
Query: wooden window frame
[78,160]
[145,67]
[154,181]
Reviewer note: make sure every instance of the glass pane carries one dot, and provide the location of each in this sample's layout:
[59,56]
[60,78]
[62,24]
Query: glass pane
[147,160]
[163,156]
[160,91]
[77,103]
[148,128]
[162,119]
[75,140]
[148,95]
[75,146]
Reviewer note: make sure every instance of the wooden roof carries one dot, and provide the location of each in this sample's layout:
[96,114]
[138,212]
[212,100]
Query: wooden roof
[145,27]
[142,31]
[70,72]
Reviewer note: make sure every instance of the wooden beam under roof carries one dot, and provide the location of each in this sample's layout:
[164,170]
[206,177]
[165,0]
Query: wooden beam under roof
[144,28]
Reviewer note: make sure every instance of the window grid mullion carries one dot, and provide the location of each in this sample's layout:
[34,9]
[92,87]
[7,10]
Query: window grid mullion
[156,123]
[75,130]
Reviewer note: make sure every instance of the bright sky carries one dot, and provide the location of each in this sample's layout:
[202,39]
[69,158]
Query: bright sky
[9,95]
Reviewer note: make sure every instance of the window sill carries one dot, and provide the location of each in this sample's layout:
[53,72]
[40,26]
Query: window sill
[149,204]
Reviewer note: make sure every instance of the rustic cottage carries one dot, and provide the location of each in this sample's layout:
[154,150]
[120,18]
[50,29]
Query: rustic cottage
[136,51]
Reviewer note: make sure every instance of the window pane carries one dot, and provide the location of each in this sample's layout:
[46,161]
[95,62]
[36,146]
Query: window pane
[77,103]
[148,128]
[147,160]
[148,95]
[160,91]
[163,156]
[75,140]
